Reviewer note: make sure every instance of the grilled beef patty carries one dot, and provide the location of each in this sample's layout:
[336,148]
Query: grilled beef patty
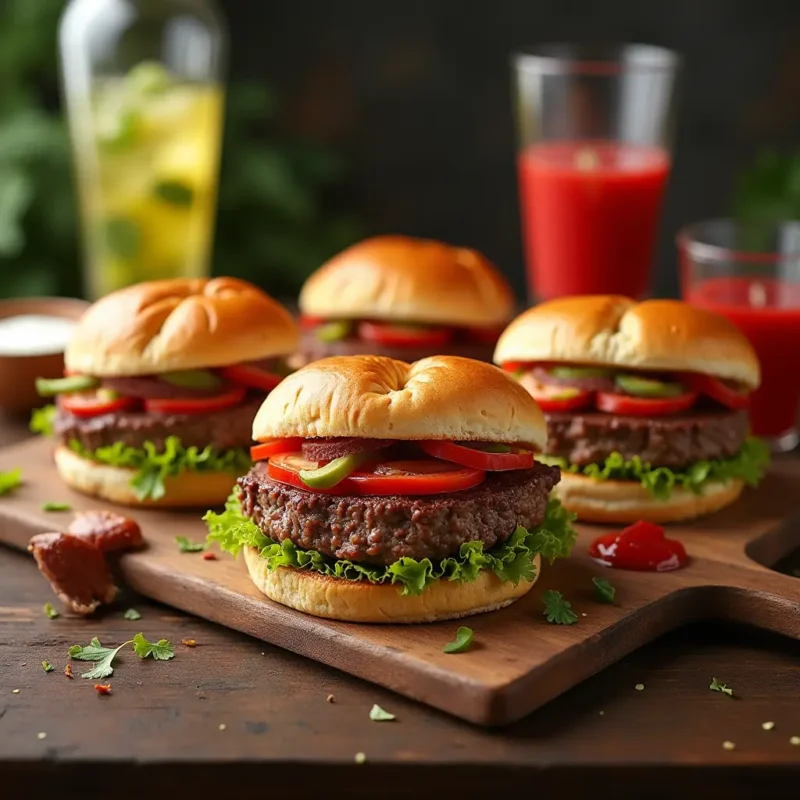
[223,430]
[380,530]
[674,441]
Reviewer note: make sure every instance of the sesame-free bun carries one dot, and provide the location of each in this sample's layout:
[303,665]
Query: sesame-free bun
[441,397]
[361,601]
[403,279]
[186,323]
[187,490]
[628,501]
[611,330]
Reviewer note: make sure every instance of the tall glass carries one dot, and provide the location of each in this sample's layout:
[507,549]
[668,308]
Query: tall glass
[595,127]
[751,274]
[143,85]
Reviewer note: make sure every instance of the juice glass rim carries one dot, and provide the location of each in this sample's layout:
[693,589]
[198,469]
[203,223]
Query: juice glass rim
[598,59]
[690,240]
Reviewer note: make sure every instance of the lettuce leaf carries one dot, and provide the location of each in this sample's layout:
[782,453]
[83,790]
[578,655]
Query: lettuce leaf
[510,561]
[747,465]
[42,420]
[152,467]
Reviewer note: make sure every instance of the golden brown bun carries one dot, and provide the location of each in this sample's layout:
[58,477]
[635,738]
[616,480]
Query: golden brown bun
[160,326]
[410,280]
[628,501]
[442,397]
[187,490]
[610,330]
[356,601]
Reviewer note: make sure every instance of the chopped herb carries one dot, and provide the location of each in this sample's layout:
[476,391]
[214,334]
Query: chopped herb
[42,420]
[10,480]
[557,609]
[50,611]
[716,686]
[463,640]
[104,656]
[377,714]
[102,688]
[56,506]
[185,546]
[47,666]
[604,590]
[132,613]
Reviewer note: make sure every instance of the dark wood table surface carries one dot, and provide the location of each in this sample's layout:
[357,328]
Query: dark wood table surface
[235,717]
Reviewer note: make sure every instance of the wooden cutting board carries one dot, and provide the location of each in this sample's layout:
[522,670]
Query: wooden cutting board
[518,661]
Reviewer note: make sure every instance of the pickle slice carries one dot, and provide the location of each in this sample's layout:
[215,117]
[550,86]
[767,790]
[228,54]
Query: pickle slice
[581,372]
[334,471]
[72,383]
[648,387]
[334,331]
[192,379]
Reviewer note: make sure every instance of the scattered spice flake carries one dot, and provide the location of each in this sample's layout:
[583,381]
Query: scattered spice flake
[728,746]
[716,686]
[47,666]
[360,758]
[68,670]
[102,688]
[41,735]
[189,642]
[222,726]
[795,740]
[329,698]
[15,691]
[209,556]
[639,687]
[50,611]
[767,726]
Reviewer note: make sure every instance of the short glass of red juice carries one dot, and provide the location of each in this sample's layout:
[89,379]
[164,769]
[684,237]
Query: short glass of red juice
[751,274]
[595,127]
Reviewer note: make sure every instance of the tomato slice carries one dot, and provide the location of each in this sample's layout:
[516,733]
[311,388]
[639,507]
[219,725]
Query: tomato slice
[251,377]
[550,397]
[93,404]
[404,335]
[479,459]
[484,335]
[265,450]
[644,407]
[716,389]
[417,477]
[196,405]
[308,322]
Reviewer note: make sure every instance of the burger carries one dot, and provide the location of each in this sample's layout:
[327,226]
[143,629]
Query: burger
[162,381]
[392,492]
[646,405]
[404,298]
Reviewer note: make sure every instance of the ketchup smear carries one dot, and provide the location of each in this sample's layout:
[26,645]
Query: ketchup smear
[641,546]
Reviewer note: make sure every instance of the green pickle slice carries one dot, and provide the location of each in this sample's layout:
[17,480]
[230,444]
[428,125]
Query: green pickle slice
[334,331]
[192,379]
[648,387]
[48,387]
[581,372]
[334,471]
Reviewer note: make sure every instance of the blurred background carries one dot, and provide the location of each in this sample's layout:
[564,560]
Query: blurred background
[352,118]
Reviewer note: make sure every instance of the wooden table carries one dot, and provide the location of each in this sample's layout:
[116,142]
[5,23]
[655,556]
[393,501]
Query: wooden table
[242,719]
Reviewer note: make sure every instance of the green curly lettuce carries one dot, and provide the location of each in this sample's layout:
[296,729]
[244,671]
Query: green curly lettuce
[510,561]
[42,420]
[747,465]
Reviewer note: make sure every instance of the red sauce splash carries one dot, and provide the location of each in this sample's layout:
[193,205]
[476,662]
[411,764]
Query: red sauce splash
[641,546]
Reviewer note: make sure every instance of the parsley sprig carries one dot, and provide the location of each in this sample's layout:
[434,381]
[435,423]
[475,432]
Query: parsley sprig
[716,686]
[558,610]
[161,650]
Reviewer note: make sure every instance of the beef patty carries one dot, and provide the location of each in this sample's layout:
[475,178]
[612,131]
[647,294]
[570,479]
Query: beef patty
[380,530]
[224,430]
[674,441]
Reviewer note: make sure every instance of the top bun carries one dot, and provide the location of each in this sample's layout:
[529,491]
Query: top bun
[375,397]
[611,330]
[186,323]
[402,279]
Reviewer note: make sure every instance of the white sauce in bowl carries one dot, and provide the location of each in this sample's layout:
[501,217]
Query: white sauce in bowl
[34,334]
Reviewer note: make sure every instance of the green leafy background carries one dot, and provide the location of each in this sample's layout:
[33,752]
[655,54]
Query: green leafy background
[272,227]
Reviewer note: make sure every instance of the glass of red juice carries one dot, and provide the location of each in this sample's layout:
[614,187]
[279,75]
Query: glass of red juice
[595,128]
[751,274]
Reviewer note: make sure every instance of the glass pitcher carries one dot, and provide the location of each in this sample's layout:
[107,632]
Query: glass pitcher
[143,83]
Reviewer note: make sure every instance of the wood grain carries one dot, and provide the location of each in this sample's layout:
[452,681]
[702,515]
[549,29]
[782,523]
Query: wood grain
[519,661]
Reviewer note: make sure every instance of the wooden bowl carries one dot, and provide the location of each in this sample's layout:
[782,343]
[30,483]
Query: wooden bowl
[18,373]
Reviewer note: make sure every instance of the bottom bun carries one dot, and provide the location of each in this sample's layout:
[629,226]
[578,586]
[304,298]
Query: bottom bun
[626,501]
[360,601]
[187,490]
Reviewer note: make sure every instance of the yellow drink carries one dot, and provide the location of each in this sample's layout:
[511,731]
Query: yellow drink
[147,151]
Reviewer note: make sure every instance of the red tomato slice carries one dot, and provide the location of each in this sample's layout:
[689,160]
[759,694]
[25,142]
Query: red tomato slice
[550,397]
[419,477]
[716,389]
[252,377]
[479,459]
[644,407]
[196,405]
[264,450]
[93,404]
[404,335]
[307,321]
[484,335]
